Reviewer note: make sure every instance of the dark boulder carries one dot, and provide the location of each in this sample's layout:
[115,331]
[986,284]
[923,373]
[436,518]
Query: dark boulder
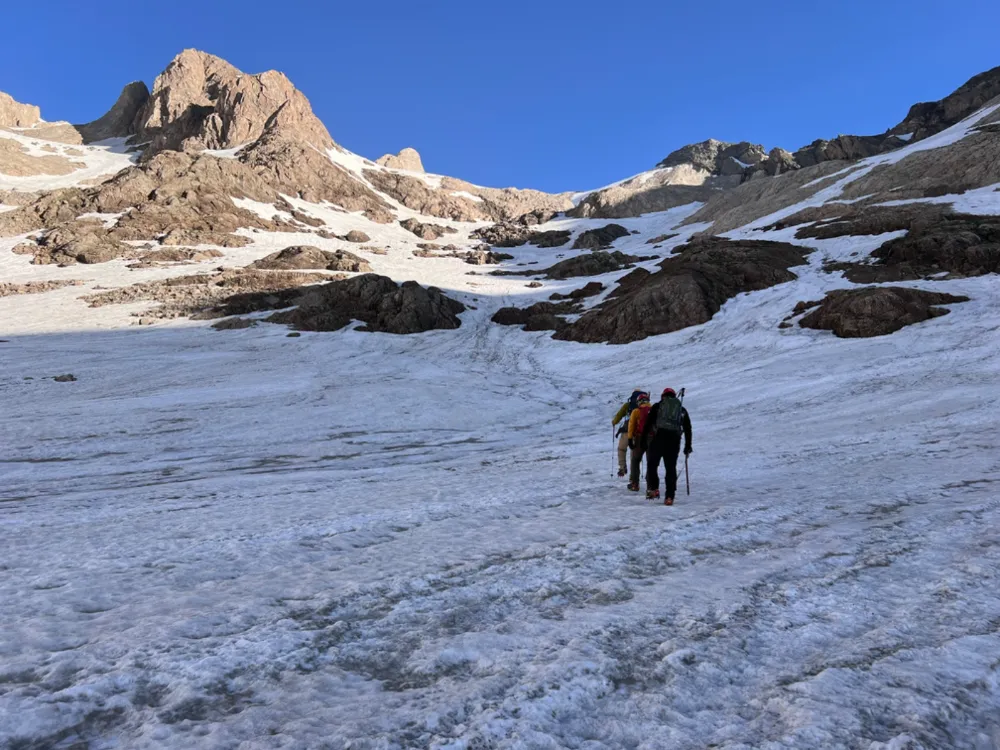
[876,311]
[597,239]
[425,231]
[376,300]
[589,290]
[592,264]
[688,290]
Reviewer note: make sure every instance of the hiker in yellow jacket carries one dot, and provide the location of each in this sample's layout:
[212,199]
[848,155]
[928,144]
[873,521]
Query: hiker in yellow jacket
[637,439]
[624,412]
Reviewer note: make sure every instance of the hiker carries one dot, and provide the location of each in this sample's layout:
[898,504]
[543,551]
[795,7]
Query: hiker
[637,438]
[623,413]
[664,425]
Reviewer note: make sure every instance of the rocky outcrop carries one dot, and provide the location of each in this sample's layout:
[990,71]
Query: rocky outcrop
[83,241]
[590,289]
[407,159]
[876,311]
[598,239]
[541,316]
[119,121]
[13,114]
[846,147]
[717,158]
[306,257]
[202,102]
[663,191]
[428,232]
[928,118]
[591,264]
[10,289]
[377,301]
[688,289]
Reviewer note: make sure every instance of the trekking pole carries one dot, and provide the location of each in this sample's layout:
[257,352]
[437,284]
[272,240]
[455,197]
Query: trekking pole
[614,448]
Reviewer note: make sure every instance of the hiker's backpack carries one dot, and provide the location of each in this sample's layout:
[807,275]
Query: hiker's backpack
[640,425]
[670,416]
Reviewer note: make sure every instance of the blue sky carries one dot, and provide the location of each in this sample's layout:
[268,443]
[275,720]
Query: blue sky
[552,95]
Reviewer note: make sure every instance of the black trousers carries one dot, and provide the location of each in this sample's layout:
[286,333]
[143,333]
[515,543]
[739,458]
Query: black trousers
[664,446]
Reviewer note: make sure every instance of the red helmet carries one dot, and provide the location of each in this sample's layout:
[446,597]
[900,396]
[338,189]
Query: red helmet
[668,392]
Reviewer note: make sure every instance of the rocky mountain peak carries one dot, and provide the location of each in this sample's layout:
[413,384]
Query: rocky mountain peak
[408,159]
[119,121]
[14,114]
[717,157]
[202,102]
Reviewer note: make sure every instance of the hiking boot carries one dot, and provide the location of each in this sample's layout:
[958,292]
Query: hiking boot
[652,494]
[633,486]
[668,501]
[621,472]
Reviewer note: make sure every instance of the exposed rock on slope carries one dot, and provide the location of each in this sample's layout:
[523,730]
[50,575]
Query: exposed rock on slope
[13,114]
[375,300]
[928,118]
[598,239]
[119,121]
[717,158]
[304,257]
[688,290]
[407,159]
[876,311]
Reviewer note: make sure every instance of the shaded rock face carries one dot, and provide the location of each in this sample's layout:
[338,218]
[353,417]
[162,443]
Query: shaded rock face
[876,311]
[13,114]
[307,257]
[408,159]
[846,147]
[375,300]
[590,289]
[201,101]
[119,121]
[928,118]
[592,264]
[598,239]
[688,290]
[509,234]
[541,316]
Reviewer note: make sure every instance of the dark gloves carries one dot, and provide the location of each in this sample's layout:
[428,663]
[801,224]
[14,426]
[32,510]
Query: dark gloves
[687,450]
[631,443]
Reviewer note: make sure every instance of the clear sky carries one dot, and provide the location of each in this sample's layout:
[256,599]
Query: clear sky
[550,94]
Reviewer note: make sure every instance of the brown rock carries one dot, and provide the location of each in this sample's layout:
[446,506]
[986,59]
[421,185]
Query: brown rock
[15,161]
[358,236]
[407,159]
[303,257]
[876,311]
[9,289]
[688,290]
[426,231]
[13,114]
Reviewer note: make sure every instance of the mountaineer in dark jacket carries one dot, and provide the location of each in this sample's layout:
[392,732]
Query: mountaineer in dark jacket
[666,421]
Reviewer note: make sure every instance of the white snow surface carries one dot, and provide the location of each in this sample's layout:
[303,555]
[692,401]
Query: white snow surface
[98,160]
[243,540]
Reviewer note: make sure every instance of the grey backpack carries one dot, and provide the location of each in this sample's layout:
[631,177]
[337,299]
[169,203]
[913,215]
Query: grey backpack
[670,416]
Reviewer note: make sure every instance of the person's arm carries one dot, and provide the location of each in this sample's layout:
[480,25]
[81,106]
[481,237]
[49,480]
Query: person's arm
[633,425]
[621,413]
[687,432]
